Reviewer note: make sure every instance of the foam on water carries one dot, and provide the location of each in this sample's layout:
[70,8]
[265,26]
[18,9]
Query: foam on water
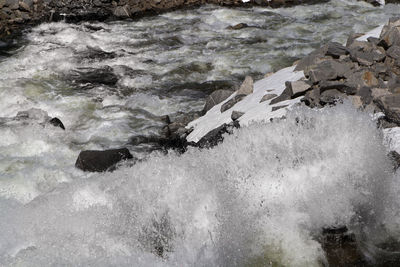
[263,196]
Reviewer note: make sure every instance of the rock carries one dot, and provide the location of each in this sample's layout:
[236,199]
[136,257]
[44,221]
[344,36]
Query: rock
[57,123]
[231,102]
[238,26]
[297,88]
[312,59]
[341,247]
[363,58]
[342,85]
[268,97]
[394,52]
[390,105]
[328,70]
[356,101]
[105,75]
[26,5]
[331,96]
[365,94]
[336,50]
[236,115]
[362,78]
[379,92]
[372,2]
[395,157]
[214,137]
[122,12]
[101,161]
[247,86]
[312,98]
[278,107]
[352,38]
[283,97]
[215,98]
[390,37]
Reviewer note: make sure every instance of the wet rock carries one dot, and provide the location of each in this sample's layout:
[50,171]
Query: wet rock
[96,53]
[331,96]
[390,104]
[268,97]
[56,122]
[215,98]
[297,88]
[236,115]
[342,85]
[101,161]
[214,137]
[122,12]
[103,75]
[312,98]
[365,93]
[283,97]
[247,86]
[395,158]
[341,248]
[238,26]
[231,102]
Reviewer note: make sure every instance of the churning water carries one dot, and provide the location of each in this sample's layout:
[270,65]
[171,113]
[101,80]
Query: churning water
[261,197]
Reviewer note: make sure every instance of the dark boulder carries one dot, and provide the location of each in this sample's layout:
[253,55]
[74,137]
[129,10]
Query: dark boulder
[283,97]
[394,52]
[56,122]
[336,50]
[236,115]
[390,104]
[214,137]
[328,70]
[395,158]
[297,88]
[101,160]
[104,75]
[342,86]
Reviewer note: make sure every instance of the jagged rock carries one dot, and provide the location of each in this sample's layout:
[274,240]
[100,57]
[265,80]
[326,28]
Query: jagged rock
[362,78]
[390,104]
[236,115]
[268,97]
[284,96]
[122,12]
[365,93]
[394,52]
[312,59]
[297,88]
[56,122]
[390,37]
[214,137]
[312,98]
[247,86]
[328,70]
[336,50]
[352,38]
[238,26]
[231,102]
[101,161]
[215,98]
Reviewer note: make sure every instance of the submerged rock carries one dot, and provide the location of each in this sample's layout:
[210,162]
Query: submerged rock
[57,123]
[101,160]
[104,75]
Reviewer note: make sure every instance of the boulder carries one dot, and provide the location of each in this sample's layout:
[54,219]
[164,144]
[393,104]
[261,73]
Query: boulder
[328,70]
[283,97]
[390,37]
[342,85]
[247,86]
[395,158]
[236,115]
[297,88]
[56,122]
[214,137]
[312,98]
[268,97]
[215,98]
[104,75]
[336,50]
[331,96]
[394,52]
[122,12]
[101,161]
[390,105]
[231,102]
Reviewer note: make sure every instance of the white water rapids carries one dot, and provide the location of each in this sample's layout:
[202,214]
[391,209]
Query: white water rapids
[261,197]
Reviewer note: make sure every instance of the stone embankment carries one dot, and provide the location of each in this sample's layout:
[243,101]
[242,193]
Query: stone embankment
[18,14]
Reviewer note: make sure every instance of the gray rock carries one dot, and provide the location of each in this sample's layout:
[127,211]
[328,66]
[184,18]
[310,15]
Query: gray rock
[236,115]
[297,88]
[362,78]
[268,97]
[215,98]
[336,50]
[328,70]
[216,136]
[343,86]
[394,52]
[312,98]
[238,26]
[247,86]
[395,158]
[122,11]
[331,96]
[231,102]
[284,96]
[390,105]
[312,59]
[390,37]
[365,93]
[352,38]
[101,161]
[279,107]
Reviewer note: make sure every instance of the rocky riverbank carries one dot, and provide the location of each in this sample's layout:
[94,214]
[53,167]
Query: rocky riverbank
[18,14]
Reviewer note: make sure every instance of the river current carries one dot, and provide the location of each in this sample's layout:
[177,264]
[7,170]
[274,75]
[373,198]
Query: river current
[261,197]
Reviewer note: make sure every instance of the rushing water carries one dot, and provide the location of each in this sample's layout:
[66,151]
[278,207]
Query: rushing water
[202,208]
